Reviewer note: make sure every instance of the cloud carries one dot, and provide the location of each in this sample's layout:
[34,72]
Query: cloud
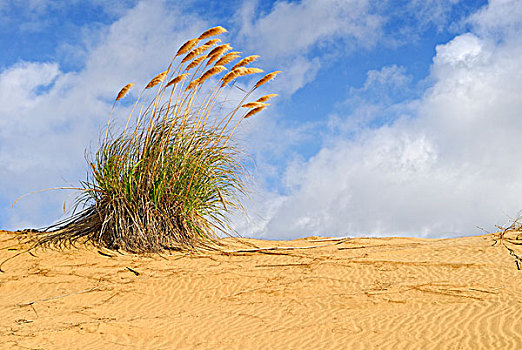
[19,83]
[419,15]
[297,74]
[451,166]
[292,27]
[303,37]
[385,96]
[287,35]
[383,86]
[499,19]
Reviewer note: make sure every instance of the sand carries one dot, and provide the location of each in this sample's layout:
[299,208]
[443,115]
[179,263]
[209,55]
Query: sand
[364,293]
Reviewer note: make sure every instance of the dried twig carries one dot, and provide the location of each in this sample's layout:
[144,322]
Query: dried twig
[17,254]
[284,265]
[515,226]
[58,297]
[105,254]
[328,239]
[262,250]
[133,271]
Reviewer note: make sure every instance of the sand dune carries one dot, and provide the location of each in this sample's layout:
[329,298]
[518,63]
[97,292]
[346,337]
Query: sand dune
[364,293]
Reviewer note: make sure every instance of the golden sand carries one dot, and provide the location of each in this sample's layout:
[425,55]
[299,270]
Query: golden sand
[364,293]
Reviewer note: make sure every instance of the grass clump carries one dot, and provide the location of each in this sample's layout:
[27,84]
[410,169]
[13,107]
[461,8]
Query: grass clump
[169,178]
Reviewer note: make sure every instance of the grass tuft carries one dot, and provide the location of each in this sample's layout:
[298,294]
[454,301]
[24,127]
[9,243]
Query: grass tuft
[170,178]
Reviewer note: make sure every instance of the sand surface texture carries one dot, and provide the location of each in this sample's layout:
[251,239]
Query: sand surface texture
[386,293]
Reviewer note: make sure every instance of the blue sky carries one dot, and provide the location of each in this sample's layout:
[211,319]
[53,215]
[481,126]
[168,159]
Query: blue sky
[393,117]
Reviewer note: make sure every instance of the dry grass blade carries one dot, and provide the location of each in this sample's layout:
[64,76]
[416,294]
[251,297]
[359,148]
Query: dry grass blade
[212,32]
[266,78]
[229,57]
[259,250]
[246,61]
[266,97]
[60,296]
[239,72]
[254,111]
[255,104]
[124,91]
[157,79]
[186,47]
[177,79]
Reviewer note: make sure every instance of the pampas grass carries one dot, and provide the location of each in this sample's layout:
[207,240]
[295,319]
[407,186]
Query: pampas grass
[217,52]
[254,111]
[266,97]
[169,180]
[266,79]
[245,61]
[212,32]
[229,57]
[255,104]
[238,72]
[124,91]
[157,79]
[187,46]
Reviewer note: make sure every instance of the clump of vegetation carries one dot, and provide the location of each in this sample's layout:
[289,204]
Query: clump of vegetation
[169,178]
[510,237]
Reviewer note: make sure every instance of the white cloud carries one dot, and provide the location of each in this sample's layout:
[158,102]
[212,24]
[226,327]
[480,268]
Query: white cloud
[389,75]
[382,86]
[424,13]
[296,74]
[292,27]
[499,19]
[454,166]
[374,104]
[18,85]
[289,32]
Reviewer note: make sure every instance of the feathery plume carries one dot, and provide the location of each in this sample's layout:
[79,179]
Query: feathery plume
[255,104]
[193,84]
[212,32]
[213,42]
[157,79]
[246,61]
[215,53]
[176,79]
[229,57]
[196,62]
[196,52]
[238,72]
[266,97]
[187,46]
[212,71]
[254,111]
[266,78]
[124,91]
